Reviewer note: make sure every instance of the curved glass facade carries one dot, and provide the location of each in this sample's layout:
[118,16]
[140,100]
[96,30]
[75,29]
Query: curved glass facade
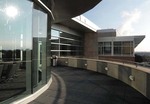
[24,61]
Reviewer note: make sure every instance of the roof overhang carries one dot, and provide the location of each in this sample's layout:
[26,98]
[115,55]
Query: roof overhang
[75,26]
[80,23]
[138,39]
[65,9]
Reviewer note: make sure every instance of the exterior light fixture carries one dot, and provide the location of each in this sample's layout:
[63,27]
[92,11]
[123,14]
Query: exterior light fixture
[106,68]
[132,78]
[11,11]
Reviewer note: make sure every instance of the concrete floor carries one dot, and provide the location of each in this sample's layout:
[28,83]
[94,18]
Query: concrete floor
[79,86]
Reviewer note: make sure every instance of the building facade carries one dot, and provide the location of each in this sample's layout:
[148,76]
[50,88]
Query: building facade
[25,43]
[34,30]
[112,47]
[85,39]
[66,42]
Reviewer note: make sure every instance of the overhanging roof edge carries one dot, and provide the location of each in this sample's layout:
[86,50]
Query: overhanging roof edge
[83,23]
[138,39]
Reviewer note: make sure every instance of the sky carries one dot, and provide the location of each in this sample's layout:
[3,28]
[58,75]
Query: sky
[128,17]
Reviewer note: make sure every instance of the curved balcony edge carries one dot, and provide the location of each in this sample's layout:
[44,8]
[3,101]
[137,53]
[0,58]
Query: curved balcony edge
[136,77]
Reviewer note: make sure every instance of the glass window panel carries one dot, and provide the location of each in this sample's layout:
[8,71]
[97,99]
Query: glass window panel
[117,50]
[39,49]
[54,47]
[126,50]
[55,34]
[107,50]
[16,46]
[70,36]
[123,48]
[55,53]
[69,44]
[107,44]
[117,44]
[104,48]
[126,44]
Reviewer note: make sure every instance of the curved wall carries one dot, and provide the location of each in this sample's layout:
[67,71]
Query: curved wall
[135,76]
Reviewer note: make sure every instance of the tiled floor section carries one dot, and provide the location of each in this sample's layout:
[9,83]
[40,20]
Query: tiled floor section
[79,86]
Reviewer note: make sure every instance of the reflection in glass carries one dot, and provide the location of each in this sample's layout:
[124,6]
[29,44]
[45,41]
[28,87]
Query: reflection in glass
[15,48]
[11,11]
[39,48]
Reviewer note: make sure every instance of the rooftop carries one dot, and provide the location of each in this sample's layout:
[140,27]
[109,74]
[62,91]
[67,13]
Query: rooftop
[79,86]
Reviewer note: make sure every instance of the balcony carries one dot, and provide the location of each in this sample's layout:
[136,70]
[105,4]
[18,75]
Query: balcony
[87,81]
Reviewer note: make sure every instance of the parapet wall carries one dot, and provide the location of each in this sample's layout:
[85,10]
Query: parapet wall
[135,76]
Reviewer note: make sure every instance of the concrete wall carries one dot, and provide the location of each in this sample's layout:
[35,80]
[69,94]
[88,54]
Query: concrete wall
[72,62]
[113,70]
[117,58]
[135,76]
[101,67]
[63,62]
[106,33]
[90,45]
[91,65]
[139,82]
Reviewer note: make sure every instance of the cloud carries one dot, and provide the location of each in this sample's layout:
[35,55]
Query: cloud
[129,18]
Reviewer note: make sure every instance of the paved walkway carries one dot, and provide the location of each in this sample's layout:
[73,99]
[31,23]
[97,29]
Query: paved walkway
[78,86]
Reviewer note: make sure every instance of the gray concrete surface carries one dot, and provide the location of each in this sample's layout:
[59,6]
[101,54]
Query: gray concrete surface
[79,86]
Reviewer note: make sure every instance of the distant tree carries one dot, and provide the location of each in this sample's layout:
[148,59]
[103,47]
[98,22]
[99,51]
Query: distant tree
[146,58]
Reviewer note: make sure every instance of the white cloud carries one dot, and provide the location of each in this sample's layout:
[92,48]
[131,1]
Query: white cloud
[129,18]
